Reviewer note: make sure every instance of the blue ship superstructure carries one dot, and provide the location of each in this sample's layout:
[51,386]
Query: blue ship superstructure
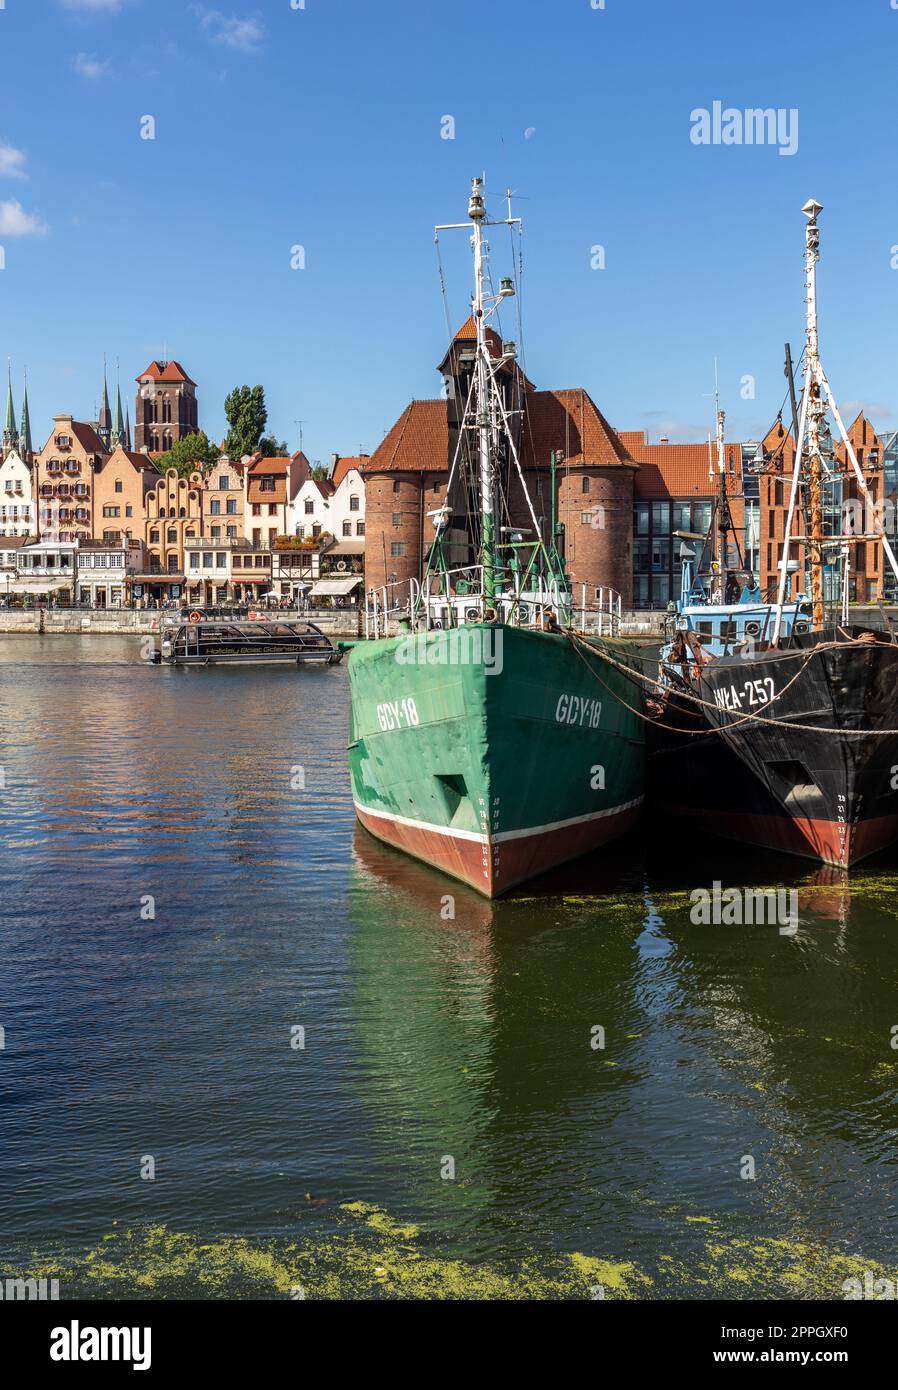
[722,629]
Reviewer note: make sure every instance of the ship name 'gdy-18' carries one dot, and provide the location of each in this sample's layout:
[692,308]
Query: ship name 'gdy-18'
[576,709]
[398,714]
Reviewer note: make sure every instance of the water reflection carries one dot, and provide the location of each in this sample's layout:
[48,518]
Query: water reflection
[434,1030]
[722,1043]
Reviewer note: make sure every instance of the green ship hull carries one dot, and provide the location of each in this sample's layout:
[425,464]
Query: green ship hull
[494,753]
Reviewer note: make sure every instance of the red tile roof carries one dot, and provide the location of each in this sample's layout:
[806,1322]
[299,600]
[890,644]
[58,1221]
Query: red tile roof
[171,371]
[88,438]
[561,420]
[677,470]
[570,420]
[418,440]
[142,461]
[278,466]
[468,334]
[344,465]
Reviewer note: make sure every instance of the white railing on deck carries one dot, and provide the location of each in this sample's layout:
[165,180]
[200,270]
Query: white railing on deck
[426,608]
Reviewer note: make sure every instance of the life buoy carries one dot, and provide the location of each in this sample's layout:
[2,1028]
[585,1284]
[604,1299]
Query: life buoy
[341,565]
[196,618]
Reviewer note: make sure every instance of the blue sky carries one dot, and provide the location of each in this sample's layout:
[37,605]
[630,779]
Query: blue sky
[321,127]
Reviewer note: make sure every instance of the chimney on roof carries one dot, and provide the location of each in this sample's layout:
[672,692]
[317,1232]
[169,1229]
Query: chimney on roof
[664,439]
[335,459]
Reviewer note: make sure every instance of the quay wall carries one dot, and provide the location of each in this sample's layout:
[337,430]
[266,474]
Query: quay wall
[128,622]
[340,623]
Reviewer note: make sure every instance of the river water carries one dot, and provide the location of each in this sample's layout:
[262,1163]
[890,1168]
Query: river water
[247,1049]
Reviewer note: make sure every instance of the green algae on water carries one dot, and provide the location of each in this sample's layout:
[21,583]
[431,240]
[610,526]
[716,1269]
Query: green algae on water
[370,1255]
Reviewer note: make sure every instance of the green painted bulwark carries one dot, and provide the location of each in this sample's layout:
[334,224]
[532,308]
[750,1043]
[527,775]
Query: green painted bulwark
[494,753]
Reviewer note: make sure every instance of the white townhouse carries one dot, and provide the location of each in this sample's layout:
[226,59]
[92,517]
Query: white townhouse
[17,516]
[336,507]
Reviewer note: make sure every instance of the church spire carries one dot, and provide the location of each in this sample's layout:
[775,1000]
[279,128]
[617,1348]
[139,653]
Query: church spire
[25,444]
[118,424]
[10,433]
[128,428]
[104,423]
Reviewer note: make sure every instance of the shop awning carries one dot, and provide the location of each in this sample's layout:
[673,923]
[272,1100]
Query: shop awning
[42,586]
[344,585]
[348,547]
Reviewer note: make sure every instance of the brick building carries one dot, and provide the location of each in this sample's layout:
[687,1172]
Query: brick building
[271,485]
[224,500]
[174,514]
[121,483]
[64,481]
[674,490]
[166,408]
[844,512]
[406,477]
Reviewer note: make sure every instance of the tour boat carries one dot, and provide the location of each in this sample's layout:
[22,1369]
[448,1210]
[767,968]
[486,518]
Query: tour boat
[200,641]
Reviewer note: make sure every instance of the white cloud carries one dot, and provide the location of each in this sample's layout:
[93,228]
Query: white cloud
[12,162]
[243,35]
[86,65]
[94,6]
[15,221]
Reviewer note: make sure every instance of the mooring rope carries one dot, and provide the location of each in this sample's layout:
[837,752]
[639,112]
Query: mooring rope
[659,686]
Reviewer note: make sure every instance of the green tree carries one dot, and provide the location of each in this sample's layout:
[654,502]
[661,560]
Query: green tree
[247,416]
[196,452]
[271,448]
[320,473]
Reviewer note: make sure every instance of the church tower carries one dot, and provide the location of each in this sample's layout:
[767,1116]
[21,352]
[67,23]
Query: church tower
[166,408]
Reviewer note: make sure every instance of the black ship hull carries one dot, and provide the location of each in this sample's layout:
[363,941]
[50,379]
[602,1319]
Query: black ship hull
[794,752]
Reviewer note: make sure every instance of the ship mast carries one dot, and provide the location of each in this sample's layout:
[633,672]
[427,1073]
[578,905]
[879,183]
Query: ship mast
[816,398]
[816,409]
[723,511]
[477,213]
